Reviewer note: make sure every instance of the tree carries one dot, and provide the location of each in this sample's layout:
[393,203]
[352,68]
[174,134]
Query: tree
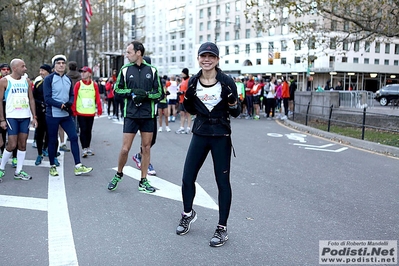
[328,21]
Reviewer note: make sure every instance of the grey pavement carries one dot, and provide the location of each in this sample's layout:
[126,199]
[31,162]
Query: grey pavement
[291,189]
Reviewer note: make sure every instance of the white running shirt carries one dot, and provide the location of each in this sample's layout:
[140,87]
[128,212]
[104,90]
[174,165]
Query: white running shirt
[17,99]
[210,96]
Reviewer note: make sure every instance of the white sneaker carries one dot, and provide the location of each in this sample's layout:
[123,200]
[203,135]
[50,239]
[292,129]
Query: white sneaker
[173,119]
[180,130]
[188,130]
[84,153]
[168,129]
[160,129]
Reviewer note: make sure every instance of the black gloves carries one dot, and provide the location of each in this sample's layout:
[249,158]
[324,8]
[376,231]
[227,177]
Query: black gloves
[180,92]
[139,96]
[67,107]
[228,94]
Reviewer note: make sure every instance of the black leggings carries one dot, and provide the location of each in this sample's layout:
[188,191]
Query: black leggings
[41,133]
[86,127]
[220,148]
[111,101]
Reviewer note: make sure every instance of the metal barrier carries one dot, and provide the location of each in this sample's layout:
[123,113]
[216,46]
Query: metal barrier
[356,99]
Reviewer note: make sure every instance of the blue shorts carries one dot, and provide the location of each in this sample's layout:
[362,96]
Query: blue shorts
[132,125]
[172,102]
[17,125]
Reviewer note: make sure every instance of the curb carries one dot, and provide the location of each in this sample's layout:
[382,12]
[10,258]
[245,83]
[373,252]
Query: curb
[358,143]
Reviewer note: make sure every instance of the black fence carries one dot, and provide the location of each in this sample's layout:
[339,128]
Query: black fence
[324,117]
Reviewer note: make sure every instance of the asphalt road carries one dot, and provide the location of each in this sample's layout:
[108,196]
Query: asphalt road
[290,190]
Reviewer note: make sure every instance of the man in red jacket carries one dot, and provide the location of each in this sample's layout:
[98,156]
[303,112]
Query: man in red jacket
[86,99]
[286,96]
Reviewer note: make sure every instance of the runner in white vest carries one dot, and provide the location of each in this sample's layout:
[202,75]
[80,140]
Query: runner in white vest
[16,89]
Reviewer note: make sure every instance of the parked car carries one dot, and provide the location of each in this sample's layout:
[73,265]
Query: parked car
[387,93]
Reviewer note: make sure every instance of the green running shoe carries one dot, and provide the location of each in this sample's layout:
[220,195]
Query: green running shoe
[22,175]
[53,171]
[114,182]
[2,173]
[83,170]
[14,162]
[144,185]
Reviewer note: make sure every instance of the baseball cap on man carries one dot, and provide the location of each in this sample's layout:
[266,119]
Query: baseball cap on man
[5,65]
[57,58]
[85,69]
[208,47]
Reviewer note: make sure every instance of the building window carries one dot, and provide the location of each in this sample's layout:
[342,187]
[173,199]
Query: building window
[366,61]
[217,37]
[209,12]
[182,46]
[227,50]
[208,25]
[237,35]
[396,62]
[297,60]
[283,45]
[208,37]
[227,36]
[160,60]
[356,60]
[396,48]
[227,8]
[201,26]
[226,62]
[356,46]
[386,62]
[238,5]
[182,58]
[236,49]
[182,35]
[218,10]
[247,33]
[173,47]
[201,39]
[367,47]
[272,31]
[236,61]
[283,60]
[376,61]
[173,36]
[345,46]
[258,61]
[297,45]
[333,25]
[344,59]
[173,59]
[247,48]
[271,47]
[312,43]
[377,47]
[284,29]
[201,14]
[387,48]
[346,26]
[258,47]
[333,43]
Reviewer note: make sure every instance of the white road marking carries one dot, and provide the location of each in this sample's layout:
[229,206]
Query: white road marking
[61,246]
[316,149]
[169,190]
[314,146]
[23,202]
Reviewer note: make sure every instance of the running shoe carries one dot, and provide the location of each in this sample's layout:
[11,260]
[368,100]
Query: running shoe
[188,130]
[114,182]
[90,152]
[144,185]
[2,173]
[185,223]
[84,153]
[38,160]
[83,170]
[34,145]
[22,175]
[137,159]
[151,170]
[219,237]
[168,129]
[45,153]
[56,162]
[160,129]
[53,171]
[180,131]
[14,162]
[64,148]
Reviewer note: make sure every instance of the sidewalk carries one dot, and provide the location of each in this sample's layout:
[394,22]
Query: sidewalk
[358,143]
